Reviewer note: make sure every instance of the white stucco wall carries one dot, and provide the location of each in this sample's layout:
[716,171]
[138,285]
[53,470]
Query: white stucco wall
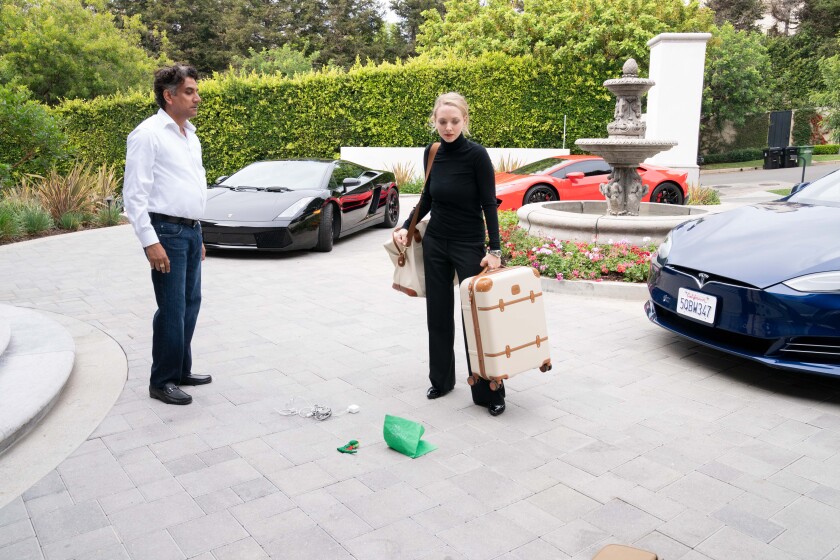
[677,61]
[385,158]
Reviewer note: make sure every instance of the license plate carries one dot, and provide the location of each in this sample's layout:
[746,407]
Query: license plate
[696,305]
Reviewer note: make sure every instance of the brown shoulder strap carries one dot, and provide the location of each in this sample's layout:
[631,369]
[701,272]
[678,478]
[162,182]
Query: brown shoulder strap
[429,162]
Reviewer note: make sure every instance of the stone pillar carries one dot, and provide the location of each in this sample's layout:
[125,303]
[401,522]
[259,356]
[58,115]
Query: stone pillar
[673,104]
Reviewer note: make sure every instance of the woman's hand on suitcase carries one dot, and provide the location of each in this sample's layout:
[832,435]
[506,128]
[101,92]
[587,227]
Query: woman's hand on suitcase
[492,262]
[401,236]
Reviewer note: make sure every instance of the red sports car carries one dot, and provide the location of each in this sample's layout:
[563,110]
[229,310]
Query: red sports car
[578,178]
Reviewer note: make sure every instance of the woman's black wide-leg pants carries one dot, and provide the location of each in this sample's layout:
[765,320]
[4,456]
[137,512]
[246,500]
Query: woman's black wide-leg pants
[442,259]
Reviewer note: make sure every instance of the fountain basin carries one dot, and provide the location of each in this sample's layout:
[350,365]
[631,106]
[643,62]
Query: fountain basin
[588,220]
[624,151]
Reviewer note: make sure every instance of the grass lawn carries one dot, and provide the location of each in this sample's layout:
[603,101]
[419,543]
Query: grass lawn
[780,192]
[760,163]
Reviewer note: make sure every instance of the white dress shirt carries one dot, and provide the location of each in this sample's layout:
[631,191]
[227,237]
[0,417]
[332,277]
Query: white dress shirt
[163,174]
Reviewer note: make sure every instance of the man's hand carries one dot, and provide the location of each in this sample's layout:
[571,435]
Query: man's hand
[203,251]
[158,260]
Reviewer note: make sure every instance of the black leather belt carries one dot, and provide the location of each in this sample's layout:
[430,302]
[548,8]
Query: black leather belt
[172,219]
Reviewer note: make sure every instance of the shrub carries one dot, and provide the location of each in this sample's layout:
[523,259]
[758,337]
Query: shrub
[702,195]
[403,172]
[507,163]
[9,222]
[415,186]
[108,216]
[34,219]
[71,221]
[74,192]
[107,183]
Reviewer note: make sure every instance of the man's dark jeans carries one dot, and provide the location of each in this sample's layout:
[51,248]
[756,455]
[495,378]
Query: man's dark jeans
[178,295]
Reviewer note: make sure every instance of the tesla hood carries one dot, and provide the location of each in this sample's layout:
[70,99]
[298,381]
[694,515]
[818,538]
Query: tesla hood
[762,244]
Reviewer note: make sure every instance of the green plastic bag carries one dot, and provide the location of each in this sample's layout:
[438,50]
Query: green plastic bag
[404,436]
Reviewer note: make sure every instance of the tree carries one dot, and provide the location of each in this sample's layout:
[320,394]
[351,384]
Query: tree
[284,60]
[209,34]
[602,32]
[736,67]
[411,17]
[830,96]
[821,18]
[350,29]
[742,14]
[61,49]
[31,140]
[792,77]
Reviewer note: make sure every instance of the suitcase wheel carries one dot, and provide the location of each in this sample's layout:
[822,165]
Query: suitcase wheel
[495,385]
[471,380]
[545,367]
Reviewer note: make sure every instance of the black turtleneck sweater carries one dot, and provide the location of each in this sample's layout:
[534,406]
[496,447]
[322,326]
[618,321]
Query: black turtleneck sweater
[461,187]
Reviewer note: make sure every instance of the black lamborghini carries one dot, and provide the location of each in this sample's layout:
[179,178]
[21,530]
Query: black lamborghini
[297,204]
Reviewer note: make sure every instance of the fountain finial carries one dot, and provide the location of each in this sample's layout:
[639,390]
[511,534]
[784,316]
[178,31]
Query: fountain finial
[630,69]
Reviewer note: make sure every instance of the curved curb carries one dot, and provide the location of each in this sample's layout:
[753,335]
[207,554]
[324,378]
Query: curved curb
[629,291]
[96,381]
[34,369]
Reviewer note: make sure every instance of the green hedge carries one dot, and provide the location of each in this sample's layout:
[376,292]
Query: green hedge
[514,102]
[747,154]
[826,149]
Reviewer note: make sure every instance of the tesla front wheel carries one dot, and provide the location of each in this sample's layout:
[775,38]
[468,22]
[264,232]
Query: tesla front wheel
[539,193]
[667,193]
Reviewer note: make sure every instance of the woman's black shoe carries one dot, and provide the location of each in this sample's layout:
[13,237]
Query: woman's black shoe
[433,393]
[496,409]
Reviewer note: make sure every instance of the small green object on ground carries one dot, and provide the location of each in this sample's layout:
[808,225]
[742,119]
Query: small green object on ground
[351,447]
[404,436]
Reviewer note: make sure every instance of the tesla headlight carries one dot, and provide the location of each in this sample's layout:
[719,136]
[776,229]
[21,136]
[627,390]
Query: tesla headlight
[816,283]
[295,209]
[663,250]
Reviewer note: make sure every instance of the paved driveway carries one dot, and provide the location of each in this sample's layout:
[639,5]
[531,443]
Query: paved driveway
[634,437]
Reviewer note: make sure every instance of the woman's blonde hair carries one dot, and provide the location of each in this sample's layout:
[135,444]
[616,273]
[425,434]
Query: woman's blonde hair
[453,99]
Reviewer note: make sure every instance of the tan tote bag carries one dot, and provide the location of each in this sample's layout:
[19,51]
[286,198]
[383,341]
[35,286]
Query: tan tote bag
[409,275]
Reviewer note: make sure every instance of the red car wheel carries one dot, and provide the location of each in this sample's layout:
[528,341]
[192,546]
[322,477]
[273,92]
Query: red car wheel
[667,193]
[539,193]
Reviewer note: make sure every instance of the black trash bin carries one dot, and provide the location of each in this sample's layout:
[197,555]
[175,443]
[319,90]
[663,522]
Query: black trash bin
[773,158]
[791,158]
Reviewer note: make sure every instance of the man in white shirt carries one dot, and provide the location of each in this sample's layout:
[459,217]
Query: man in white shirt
[164,192]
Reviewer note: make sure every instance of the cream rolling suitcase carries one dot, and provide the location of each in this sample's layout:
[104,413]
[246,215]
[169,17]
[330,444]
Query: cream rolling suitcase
[504,320]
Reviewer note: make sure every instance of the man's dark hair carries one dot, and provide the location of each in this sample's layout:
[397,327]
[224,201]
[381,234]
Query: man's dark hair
[169,78]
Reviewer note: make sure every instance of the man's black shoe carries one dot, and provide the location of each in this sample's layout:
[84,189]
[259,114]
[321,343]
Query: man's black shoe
[193,379]
[496,409]
[170,394]
[433,393]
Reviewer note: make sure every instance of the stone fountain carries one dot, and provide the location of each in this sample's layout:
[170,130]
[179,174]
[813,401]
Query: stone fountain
[622,215]
[626,146]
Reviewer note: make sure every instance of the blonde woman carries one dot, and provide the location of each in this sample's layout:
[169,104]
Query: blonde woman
[461,194]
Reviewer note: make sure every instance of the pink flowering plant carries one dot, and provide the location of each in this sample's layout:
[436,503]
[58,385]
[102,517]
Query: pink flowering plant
[573,260]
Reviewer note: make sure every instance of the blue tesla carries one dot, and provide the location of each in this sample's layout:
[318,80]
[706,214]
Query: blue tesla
[761,282]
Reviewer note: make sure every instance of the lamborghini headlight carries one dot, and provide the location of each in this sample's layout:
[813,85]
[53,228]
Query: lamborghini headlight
[295,209]
[819,282]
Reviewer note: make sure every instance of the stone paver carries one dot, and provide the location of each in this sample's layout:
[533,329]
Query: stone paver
[635,436]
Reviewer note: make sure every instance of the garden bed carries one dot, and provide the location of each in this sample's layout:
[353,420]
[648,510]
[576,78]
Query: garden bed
[617,261]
